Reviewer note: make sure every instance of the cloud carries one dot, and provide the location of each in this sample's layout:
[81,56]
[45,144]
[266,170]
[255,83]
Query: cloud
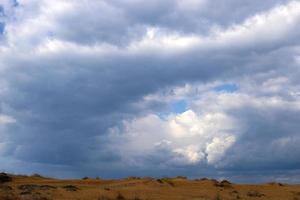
[89,87]
[241,131]
[188,138]
[4,119]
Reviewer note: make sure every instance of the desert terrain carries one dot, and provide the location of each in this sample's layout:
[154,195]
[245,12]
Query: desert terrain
[35,187]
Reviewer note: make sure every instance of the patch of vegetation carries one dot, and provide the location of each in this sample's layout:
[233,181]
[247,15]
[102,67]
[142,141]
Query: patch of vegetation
[5,178]
[37,175]
[168,181]
[8,196]
[120,197]
[204,179]
[5,188]
[136,198]
[47,187]
[223,184]
[159,180]
[235,194]
[27,189]
[218,197]
[133,178]
[26,192]
[254,193]
[70,188]
[296,193]
[38,196]
[181,177]
[276,183]
[32,192]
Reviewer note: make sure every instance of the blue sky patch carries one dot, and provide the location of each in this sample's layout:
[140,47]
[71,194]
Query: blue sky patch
[228,87]
[2,26]
[15,3]
[179,106]
[1,10]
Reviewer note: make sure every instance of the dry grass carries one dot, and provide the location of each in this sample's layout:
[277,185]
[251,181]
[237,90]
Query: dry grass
[135,188]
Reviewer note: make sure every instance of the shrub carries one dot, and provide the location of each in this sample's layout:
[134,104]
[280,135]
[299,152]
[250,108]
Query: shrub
[159,180]
[254,193]
[5,178]
[181,177]
[120,197]
[37,176]
[169,181]
[218,197]
[223,184]
[70,188]
[133,178]
[276,183]
[5,188]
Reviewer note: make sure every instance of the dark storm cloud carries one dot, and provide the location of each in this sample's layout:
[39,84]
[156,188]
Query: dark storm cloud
[270,141]
[193,16]
[64,105]
[119,22]
[71,70]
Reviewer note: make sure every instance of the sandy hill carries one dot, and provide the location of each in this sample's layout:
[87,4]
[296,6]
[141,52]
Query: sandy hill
[35,187]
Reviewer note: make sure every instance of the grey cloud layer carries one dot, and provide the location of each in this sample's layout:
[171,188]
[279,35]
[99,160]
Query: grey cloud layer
[71,70]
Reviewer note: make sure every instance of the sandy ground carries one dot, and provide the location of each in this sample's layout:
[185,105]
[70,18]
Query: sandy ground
[40,188]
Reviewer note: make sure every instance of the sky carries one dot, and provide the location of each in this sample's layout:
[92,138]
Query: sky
[117,88]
